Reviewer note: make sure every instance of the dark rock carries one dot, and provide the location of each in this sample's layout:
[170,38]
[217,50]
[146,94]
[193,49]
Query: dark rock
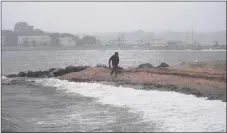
[172,87]
[59,72]
[51,69]
[41,74]
[146,65]
[38,73]
[158,85]
[75,69]
[48,74]
[186,90]
[101,65]
[163,64]
[31,74]
[71,69]
[11,75]
[197,93]
[45,72]
[52,72]
[22,74]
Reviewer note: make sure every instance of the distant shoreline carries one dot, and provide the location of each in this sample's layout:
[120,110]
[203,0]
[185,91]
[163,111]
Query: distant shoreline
[102,49]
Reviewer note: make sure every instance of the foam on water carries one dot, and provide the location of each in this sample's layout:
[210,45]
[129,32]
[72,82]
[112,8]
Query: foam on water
[171,111]
[5,80]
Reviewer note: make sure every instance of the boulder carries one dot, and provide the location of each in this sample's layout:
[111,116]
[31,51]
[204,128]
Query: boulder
[22,74]
[59,72]
[75,69]
[163,64]
[71,68]
[11,75]
[146,65]
[47,74]
[52,72]
[38,73]
[68,69]
[31,74]
[51,69]
[80,68]
[41,74]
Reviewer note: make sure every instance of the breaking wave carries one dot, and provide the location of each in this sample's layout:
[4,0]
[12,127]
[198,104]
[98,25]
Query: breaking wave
[171,111]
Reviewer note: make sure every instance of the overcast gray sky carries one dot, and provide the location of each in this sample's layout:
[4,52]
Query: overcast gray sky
[74,17]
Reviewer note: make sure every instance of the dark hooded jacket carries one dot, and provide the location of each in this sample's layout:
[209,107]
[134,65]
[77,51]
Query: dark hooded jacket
[114,59]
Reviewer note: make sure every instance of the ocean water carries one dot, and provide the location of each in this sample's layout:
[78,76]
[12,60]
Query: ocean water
[50,104]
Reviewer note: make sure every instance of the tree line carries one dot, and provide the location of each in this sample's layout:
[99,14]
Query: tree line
[24,29]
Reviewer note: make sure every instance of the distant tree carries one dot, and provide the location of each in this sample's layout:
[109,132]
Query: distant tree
[10,37]
[20,26]
[23,27]
[55,39]
[39,32]
[98,42]
[89,39]
[79,42]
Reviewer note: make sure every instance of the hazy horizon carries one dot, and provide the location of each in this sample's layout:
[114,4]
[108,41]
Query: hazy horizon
[99,17]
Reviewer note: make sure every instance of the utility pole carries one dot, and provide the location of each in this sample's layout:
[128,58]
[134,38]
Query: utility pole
[186,38]
[118,41]
[123,39]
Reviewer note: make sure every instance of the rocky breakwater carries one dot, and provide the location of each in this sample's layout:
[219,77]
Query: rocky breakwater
[202,79]
[52,72]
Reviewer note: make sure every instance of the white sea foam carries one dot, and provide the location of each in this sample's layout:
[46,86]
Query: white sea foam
[5,80]
[171,111]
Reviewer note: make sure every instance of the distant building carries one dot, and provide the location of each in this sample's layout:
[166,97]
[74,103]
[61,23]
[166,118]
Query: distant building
[183,43]
[67,42]
[158,42]
[98,42]
[175,42]
[33,40]
[129,43]
[10,38]
[110,42]
[194,43]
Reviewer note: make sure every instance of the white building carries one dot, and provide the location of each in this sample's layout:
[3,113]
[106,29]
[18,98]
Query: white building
[159,42]
[67,42]
[33,40]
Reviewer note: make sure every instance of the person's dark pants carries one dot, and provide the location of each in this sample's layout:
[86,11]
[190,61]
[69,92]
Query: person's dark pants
[114,69]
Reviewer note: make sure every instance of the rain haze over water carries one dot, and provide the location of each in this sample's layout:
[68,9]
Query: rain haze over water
[43,35]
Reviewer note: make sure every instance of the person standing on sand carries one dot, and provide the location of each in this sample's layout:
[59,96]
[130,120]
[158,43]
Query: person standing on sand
[115,61]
